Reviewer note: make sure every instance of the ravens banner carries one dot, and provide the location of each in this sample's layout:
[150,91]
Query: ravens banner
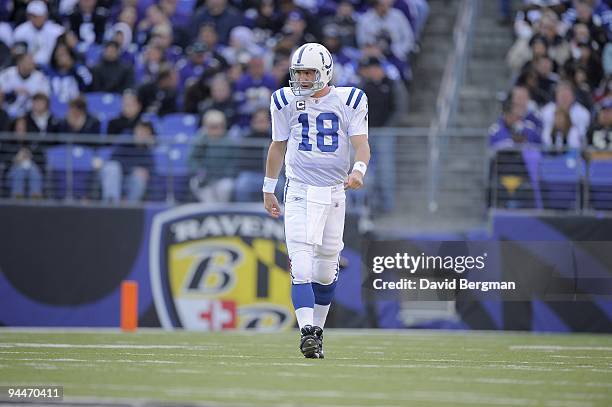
[220,267]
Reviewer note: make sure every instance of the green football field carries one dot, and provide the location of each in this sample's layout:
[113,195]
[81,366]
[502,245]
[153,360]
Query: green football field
[369,368]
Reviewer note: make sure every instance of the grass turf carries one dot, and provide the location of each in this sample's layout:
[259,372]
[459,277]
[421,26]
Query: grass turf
[379,368]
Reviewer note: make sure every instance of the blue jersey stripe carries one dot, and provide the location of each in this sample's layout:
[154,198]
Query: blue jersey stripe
[282,93]
[348,102]
[278,106]
[299,60]
[358,99]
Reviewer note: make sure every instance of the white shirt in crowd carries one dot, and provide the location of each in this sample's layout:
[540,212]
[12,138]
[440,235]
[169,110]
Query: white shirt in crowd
[371,25]
[580,117]
[40,42]
[23,88]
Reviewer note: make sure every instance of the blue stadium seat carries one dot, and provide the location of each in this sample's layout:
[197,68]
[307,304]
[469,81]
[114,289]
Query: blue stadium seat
[600,184]
[63,159]
[178,127]
[171,172]
[560,180]
[105,106]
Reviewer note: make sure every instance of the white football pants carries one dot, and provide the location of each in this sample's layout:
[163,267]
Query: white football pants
[314,226]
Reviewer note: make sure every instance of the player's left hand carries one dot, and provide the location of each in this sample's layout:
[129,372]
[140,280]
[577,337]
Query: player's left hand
[354,181]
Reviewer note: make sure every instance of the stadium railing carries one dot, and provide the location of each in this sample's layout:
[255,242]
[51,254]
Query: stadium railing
[566,179]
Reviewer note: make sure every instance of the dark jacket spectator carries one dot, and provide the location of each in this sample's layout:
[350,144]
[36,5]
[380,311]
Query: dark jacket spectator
[111,74]
[40,119]
[600,133]
[88,21]
[78,121]
[159,96]
[130,115]
[222,15]
[379,89]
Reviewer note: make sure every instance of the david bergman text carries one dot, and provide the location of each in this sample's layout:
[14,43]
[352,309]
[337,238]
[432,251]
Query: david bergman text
[426,284]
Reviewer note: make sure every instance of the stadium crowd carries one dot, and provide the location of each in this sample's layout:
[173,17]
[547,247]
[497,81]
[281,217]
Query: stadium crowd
[140,71]
[552,144]
[561,64]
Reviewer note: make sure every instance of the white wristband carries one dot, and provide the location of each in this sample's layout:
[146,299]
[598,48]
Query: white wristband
[269,185]
[361,167]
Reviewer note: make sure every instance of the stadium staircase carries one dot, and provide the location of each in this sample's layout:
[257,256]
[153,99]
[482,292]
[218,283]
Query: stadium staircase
[460,183]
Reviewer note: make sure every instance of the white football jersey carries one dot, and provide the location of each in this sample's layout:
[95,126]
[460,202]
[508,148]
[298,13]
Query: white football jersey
[318,131]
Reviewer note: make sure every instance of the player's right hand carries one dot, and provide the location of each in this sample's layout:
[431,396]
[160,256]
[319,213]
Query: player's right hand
[271,204]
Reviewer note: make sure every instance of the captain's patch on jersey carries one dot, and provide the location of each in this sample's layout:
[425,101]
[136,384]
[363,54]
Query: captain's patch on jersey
[300,104]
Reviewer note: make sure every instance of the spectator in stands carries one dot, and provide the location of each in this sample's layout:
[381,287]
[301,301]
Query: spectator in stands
[538,47]
[565,100]
[19,83]
[253,90]
[211,160]
[5,119]
[111,74]
[530,80]
[584,15]
[88,22]
[526,108]
[379,89]
[268,21]
[346,21]
[78,121]
[548,30]
[344,69]
[133,162]
[148,63]
[178,19]
[160,96]
[562,123]
[154,17]
[38,32]
[208,35]
[391,29]
[6,42]
[547,77]
[223,16]
[24,159]
[40,119]
[587,59]
[241,47]
[130,114]
[511,130]
[192,67]
[600,132]
[67,78]
[250,159]
[383,105]
[221,99]
[161,35]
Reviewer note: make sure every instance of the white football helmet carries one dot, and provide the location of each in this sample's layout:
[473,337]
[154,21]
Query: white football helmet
[311,56]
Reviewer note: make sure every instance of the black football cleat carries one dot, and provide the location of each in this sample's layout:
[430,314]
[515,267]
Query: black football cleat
[309,343]
[319,334]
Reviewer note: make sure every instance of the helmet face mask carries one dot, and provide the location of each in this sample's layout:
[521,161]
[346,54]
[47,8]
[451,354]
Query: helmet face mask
[301,87]
[314,57]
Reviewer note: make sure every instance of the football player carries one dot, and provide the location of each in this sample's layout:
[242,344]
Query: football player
[313,126]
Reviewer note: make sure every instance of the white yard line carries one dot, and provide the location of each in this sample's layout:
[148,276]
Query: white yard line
[550,348]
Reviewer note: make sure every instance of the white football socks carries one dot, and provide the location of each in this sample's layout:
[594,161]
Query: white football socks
[304,316]
[320,314]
